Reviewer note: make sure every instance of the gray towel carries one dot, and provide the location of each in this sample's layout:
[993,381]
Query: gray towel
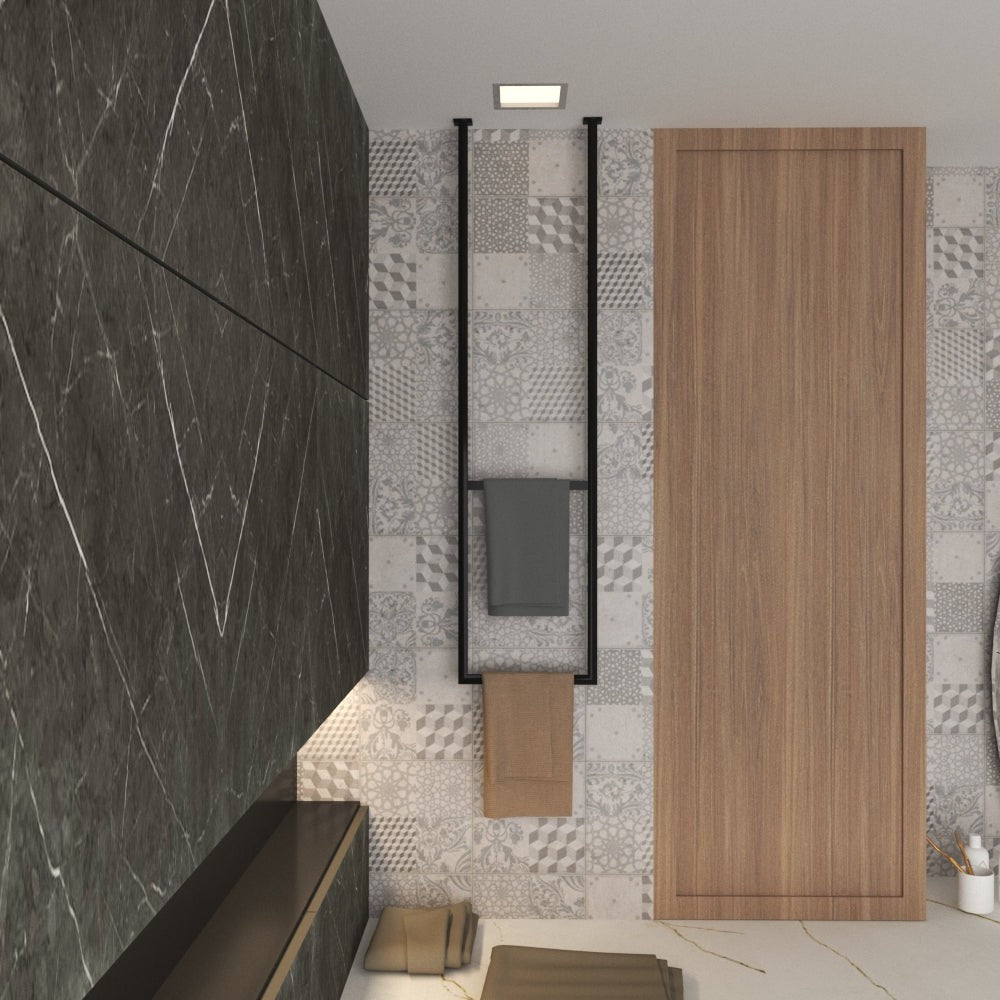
[527,546]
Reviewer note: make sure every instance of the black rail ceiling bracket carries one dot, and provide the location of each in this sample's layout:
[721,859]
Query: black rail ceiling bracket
[465,485]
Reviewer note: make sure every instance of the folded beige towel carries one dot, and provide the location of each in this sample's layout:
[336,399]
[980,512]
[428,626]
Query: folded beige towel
[528,744]
[414,939]
[517,973]
[427,941]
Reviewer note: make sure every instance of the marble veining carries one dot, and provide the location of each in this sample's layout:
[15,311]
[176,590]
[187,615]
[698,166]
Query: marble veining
[952,954]
[183,566]
[224,138]
[321,968]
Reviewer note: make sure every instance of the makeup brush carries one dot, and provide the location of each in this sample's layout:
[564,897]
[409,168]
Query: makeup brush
[944,854]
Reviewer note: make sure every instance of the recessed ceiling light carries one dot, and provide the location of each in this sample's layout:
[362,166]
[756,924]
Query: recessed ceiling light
[529,95]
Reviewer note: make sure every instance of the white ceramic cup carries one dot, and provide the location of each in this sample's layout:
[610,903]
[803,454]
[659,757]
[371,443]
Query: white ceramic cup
[976,893]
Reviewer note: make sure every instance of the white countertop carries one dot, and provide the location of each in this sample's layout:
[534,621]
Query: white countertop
[950,955]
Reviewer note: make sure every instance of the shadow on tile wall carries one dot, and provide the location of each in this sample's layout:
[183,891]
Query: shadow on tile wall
[408,741]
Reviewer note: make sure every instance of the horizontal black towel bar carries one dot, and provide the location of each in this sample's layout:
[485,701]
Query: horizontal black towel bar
[574,484]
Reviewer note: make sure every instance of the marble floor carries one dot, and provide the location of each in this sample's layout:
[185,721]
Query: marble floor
[951,955]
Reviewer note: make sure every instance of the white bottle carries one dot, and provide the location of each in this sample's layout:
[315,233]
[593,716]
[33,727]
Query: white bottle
[978,856]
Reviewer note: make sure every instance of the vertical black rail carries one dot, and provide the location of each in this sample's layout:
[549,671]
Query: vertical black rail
[463,401]
[591,675]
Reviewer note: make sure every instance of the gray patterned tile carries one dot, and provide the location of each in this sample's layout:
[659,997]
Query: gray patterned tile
[557,224]
[619,818]
[327,780]
[500,225]
[550,897]
[625,562]
[625,162]
[624,280]
[413,392]
[616,897]
[545,846]
[449,732]
[955,556]
[408,504]
[391,675]
[619,337]
[501,281]
[957,708]
[958,252]
[625,224]
[437,224]
[558,281]
[421,844]
[392,166]
[557,162]
[958,607]
[959,196]
[437,562]
[392,618]
[955,406]
[498,450]
[392,224]
[392,282]
[955,480]
[406,889]
[415,337]
[500,168]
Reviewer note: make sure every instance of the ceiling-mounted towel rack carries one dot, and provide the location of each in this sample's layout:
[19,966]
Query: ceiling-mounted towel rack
[464,483]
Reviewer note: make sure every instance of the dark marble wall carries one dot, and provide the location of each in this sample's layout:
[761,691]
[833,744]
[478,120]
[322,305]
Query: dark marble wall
[183,539]
[322,966]
[223,137]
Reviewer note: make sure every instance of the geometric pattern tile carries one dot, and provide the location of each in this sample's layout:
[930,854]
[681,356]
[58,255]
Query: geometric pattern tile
[327,781]
[623,281]
[437,563]
[620,562]
[992,354]
[393,282]
[337,736]
[958,253]
[449,732]
[557,845]
[958,607]
[554,394]
[393,844]
[499,225]
[557,225]
[392,168]
[956,355]
[957,709]
[992,455]
[500,168]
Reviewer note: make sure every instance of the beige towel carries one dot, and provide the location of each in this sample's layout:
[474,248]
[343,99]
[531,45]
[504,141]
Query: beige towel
[427,941]
[517,973]
[528,744]
[407,937]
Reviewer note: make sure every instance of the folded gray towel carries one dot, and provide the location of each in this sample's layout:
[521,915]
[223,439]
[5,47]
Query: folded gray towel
[527,546]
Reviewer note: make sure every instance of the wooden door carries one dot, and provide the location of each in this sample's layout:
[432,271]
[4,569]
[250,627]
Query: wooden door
[789,523]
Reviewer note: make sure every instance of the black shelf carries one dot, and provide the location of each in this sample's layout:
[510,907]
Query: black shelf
[465,485]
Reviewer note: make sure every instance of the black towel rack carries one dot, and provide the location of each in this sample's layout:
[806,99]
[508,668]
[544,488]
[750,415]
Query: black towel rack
[464,483]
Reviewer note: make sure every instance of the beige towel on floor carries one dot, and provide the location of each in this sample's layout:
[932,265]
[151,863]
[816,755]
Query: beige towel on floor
[393,948]
[553,974]
[528,744]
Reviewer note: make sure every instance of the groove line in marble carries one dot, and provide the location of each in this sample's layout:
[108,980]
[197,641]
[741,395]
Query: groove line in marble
[128,241]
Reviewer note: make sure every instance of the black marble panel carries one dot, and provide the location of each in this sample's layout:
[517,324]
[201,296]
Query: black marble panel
[183,581]
[222,137]
[322,966]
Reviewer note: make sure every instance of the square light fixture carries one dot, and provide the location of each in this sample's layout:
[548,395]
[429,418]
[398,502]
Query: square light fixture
[529,95]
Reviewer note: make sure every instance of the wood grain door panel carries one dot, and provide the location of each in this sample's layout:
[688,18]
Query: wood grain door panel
[789,523]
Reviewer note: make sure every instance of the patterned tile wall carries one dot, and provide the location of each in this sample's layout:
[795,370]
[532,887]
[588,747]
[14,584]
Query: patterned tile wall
[409,739]
[963,501]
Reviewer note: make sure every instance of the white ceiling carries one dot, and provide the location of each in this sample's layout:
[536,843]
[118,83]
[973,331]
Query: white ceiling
[708,63]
